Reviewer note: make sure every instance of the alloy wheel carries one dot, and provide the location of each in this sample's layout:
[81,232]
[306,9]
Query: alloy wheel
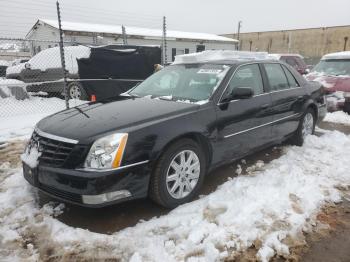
[183,174]
[75,92]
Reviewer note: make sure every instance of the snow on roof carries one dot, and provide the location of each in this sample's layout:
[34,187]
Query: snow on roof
[50,58]
[278,56]
[219,55]
[338,55]
[138,31]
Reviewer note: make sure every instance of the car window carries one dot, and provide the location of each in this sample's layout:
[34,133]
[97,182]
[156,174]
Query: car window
[276,76]
[291,79]
[193,82]
[247,76]
[291,61]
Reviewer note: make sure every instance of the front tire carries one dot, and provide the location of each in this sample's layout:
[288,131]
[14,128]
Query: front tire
[178,174]
[306,127]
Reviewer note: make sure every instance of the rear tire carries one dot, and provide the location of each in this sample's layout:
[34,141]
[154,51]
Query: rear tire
[178,174]
[306,127]
[76,91]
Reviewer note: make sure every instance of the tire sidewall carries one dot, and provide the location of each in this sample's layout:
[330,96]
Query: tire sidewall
[299,135]
[164,166]
[83,95]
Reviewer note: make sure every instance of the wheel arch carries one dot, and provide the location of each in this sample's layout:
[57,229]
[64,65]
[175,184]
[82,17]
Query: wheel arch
[197,137]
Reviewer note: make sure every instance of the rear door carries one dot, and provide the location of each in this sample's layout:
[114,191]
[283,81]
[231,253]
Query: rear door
[287,97]
[243,125]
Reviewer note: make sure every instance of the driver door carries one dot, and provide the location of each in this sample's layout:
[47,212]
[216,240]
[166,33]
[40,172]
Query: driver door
[244,124]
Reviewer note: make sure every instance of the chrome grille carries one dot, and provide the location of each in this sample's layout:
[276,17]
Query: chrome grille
[53,152]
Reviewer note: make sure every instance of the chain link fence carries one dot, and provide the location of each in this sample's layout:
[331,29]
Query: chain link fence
[37,77]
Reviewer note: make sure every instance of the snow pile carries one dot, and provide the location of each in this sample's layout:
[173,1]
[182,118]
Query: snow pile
[50,58]
[31,156]
[338,117]
[9,87]
[266,209]
[18,117]
[217,55]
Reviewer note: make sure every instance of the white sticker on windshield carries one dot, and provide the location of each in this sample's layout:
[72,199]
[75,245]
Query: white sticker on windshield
[209,71]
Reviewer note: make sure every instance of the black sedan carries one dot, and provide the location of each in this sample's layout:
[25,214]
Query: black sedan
[161,138]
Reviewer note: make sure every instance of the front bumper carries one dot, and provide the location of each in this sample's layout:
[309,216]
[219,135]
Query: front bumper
[91,188]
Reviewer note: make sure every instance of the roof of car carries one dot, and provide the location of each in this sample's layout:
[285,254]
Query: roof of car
[223,57]
[338,55]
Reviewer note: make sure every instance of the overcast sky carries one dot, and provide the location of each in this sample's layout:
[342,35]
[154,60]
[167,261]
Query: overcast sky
[210,16]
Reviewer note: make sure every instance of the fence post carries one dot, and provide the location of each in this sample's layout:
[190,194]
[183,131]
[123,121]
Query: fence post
[125,40]
[164,44]
[62,56]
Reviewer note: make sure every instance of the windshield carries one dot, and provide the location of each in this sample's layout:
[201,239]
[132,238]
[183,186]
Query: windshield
[192,82]
[336,67]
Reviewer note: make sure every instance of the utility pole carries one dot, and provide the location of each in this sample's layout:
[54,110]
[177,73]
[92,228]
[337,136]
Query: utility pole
[238,35]
[63,62]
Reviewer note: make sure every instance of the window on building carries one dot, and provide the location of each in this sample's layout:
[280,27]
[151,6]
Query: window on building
[173,54]
[49,46]
[276,76]
[38,48]
[187,51]
[200,48]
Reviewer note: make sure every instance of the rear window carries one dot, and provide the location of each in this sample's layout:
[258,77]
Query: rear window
[335,67]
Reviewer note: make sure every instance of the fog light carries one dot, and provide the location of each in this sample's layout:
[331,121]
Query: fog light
[107,197]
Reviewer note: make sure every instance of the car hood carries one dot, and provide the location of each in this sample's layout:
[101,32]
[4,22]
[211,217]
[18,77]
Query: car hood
[331,83]
[91,120]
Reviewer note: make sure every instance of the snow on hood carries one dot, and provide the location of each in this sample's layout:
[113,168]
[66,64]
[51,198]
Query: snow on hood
[50,58]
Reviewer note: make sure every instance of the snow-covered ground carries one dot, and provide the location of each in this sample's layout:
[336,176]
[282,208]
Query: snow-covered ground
[268,209]
[18,117]
[338,117]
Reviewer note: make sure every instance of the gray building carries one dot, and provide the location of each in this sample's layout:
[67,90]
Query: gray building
[45,33]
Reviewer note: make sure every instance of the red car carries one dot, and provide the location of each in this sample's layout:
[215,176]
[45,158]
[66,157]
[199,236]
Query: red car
[333,72]
[294,60]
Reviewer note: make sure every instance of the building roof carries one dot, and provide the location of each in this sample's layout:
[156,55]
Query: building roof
[134,31]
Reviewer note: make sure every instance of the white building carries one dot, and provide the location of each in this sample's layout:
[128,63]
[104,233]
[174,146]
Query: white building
[46,34]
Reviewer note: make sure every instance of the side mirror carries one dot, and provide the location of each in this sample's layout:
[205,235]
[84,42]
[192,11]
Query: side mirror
[27,66]
[242,93]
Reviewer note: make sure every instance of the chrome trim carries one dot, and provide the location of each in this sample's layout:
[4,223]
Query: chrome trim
[256,127]
[111,169]
[54,137]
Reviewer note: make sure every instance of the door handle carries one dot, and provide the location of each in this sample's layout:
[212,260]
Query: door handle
[264,106]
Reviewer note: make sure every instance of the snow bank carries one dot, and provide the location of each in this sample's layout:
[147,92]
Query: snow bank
[50,58]
[266,207]
[18,117]
[338,117]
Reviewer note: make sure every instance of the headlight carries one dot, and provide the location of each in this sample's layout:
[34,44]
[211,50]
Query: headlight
[107,152]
